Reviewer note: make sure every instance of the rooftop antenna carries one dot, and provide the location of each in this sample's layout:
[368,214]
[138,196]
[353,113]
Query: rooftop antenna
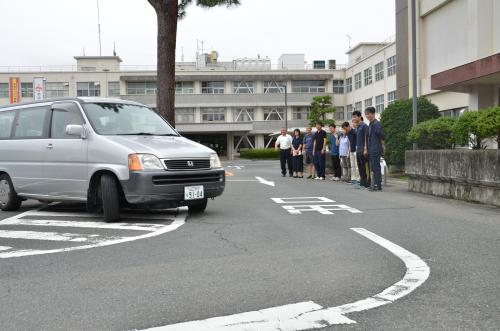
[349,38]
[114,48]
[99,28]
[182,54]
[83,51]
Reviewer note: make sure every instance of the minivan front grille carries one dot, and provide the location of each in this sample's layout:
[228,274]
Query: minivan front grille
[187,179]
[187,164]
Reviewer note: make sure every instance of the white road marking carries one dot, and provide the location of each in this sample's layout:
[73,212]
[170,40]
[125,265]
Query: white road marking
[149,217]
[238,167]
[265,182]
[178,220]
[259,180]
[302,200]
[46,236]
[5,248]
[322,209]
[94,225]
[309,315]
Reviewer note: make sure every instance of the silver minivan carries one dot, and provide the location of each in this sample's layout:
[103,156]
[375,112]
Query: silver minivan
[108,153]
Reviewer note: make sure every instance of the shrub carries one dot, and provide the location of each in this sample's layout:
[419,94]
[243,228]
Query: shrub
[473,127]
[260,153]
[396,121]
[433,134]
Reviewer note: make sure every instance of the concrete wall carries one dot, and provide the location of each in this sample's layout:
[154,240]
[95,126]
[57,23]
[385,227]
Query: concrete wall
[468,175]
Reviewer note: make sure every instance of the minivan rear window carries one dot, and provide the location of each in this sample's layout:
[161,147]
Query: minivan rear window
[6,120]
[126,119]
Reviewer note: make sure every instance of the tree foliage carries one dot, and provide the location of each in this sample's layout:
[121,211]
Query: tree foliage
[396,121]
[433,134]
[320,106]
[167,13]
[473,127]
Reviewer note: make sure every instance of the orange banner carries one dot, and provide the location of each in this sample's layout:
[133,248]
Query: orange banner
[15,90]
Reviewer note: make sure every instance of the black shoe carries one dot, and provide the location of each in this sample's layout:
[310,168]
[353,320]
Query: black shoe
[291,175]
[283,175]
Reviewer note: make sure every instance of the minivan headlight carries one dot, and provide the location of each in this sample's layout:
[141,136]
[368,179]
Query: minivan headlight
[137,162]
[214,161]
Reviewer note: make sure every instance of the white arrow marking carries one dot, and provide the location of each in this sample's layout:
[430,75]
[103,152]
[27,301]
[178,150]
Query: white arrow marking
[265,182]
[309,315]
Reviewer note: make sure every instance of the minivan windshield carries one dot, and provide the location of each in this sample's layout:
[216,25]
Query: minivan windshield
[126,119]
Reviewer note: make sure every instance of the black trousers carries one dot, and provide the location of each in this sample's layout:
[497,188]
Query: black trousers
[337,170]
[363,168]
[298,163]
[286,158]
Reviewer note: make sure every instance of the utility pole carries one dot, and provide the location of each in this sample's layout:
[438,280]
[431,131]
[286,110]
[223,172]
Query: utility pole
[414,62]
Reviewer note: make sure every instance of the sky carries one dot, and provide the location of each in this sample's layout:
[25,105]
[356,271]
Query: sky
[51,32]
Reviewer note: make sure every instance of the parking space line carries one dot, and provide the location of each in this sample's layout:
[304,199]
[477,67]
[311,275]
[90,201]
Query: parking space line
[94,225]
[155,217]
[48,236]
[5,248]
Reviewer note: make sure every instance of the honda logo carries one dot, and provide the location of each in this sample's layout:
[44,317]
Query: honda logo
[190,164]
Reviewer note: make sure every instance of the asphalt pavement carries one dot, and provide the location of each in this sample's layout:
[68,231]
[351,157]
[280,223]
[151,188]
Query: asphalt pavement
[248,252]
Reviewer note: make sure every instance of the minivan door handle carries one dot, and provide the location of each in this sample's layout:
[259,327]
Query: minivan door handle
[50,146]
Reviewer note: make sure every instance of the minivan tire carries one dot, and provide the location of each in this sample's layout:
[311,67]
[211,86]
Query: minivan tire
[110,198]
[198,207]
[13,201]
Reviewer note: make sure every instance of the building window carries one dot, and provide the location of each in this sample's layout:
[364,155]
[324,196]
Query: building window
[339,114]
[379,71]
[391,97]
[213,114]
[379,103]
[301,113]
[368,76]
[184,87]
[338,86]
[141,88]
[349,109]
[4,90]
[243,115]
[391,66]
[88,89]
[113,89]
[308,86]
[454,113]
[212,87]
[184,115]
[55,90]
[243,87]
[358,106]
[274,114]
[348,84]
[27,90]
[271,86]
[368,102]
[357,81]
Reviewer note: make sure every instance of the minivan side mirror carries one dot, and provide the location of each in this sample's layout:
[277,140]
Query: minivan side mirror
[75,130]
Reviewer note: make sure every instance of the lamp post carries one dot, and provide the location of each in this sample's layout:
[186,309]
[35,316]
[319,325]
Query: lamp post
[286,107]
[414,63]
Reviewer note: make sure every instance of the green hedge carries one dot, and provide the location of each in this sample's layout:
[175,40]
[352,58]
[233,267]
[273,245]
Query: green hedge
[260,153]
[434,134]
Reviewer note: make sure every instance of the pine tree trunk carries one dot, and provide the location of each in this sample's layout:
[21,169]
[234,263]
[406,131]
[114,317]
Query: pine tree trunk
[167,37]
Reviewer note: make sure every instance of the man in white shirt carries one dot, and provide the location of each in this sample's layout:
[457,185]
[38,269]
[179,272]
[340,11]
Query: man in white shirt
[284,143]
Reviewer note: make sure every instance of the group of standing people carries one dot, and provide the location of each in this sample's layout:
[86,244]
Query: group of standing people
[355,151]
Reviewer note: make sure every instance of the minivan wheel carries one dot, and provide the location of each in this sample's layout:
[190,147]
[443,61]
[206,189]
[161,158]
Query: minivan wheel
[198,207]
[9,200]
[110,198]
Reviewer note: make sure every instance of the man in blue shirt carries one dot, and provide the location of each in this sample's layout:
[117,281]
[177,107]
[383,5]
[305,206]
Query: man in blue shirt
[319,151]
[334,152]
[308,151]
[361,159]
[374,147]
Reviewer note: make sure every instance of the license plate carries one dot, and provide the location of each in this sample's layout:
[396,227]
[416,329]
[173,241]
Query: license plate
[194,192]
